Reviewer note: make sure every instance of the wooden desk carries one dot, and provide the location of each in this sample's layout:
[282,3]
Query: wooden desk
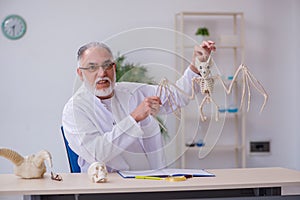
[227,183]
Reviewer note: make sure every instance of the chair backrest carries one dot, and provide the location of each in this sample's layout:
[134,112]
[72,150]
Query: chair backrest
[72,156]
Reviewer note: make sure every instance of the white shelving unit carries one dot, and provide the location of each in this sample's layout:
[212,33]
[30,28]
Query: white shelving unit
[227,30]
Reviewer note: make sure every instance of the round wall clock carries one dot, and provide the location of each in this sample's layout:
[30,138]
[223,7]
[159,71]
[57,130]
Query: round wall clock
[13,27]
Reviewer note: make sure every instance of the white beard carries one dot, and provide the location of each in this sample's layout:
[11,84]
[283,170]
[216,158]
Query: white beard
[100,92]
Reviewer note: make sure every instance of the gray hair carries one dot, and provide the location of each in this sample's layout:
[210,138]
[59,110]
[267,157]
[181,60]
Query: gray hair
[90,45]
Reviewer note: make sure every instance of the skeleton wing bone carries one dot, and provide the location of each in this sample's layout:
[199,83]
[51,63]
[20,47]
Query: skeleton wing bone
[247,80]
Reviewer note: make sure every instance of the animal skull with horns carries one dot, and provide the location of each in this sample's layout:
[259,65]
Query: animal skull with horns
[28,167]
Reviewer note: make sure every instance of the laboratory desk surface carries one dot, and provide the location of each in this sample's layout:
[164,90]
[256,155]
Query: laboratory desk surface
[79,183]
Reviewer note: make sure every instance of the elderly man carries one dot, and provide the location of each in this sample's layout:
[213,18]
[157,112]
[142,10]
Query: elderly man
[113,122]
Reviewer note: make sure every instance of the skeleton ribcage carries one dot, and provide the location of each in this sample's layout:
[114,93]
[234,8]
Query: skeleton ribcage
[206,85]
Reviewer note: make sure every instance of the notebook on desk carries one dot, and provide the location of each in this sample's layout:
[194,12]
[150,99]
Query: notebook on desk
[166,173]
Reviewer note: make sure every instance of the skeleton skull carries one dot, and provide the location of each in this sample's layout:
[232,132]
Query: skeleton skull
[97,172]
[204,67]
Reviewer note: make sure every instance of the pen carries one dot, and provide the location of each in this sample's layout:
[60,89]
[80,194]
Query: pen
[171,179]
[149,177]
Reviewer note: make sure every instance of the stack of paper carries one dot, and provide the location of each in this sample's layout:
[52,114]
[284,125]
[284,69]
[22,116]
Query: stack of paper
[166,173]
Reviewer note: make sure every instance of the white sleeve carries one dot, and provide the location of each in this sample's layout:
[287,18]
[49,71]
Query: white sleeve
[90,143]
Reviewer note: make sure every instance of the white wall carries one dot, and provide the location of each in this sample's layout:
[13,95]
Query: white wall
[274,56]
[38,71]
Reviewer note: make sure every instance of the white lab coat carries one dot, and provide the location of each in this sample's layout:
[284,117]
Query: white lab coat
[114,137]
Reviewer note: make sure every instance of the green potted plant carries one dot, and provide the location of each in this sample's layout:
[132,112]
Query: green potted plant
[202,33]
[131,72]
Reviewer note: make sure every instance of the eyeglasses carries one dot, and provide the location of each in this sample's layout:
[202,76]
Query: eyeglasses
[95,67]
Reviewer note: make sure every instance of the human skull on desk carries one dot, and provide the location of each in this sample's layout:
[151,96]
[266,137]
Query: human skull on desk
[97,172]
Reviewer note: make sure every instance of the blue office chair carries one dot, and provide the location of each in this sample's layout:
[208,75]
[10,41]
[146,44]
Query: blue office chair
[72,156]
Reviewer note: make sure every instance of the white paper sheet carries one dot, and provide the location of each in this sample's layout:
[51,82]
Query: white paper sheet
[166,172]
